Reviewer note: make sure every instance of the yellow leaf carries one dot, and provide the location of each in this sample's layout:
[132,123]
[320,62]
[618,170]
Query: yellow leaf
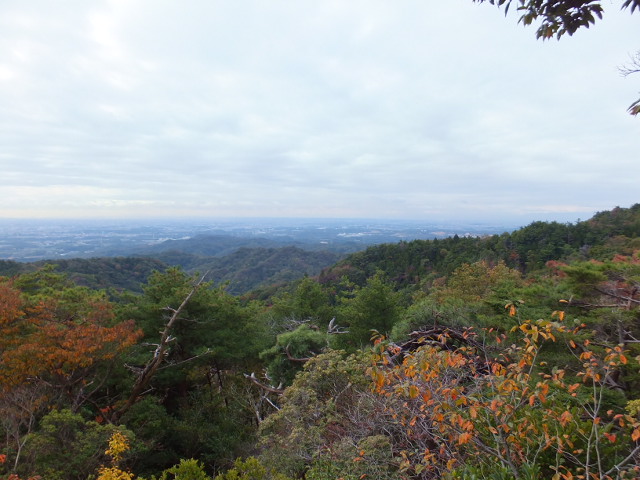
[413,391]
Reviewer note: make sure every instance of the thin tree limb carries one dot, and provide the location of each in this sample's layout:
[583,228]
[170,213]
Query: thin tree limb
[152,366]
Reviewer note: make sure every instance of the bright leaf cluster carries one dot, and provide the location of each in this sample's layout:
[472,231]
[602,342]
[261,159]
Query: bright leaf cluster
[466,412]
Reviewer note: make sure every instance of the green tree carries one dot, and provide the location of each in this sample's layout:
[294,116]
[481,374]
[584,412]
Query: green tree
[198,340]
[475,282]
[323,404]
[310,302]
[291,351]
[186,470]
[57,345]
[68,447]
[250,469]
[374,307]
[189,326]
[606,297]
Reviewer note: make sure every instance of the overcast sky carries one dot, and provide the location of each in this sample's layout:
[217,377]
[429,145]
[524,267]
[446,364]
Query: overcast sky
[412,109]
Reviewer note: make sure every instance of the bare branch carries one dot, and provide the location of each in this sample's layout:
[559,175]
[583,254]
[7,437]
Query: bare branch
[295,359]
[632,67]
[621,464]
[190,359]
[620,297]
[268,400]
[334,329]
[279,390]
[152,366]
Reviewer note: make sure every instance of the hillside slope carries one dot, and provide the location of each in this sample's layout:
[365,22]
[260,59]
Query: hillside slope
[526,249]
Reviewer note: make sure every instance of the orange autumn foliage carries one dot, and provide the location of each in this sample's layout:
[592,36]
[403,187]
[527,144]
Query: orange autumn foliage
[461,407]
[36,343]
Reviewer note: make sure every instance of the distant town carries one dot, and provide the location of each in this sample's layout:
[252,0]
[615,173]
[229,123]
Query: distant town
[31,240]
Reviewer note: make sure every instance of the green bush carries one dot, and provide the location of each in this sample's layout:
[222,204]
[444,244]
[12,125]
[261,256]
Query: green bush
[250,469]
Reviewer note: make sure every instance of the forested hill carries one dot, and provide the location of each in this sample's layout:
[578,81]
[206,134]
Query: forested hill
[526,249]
[250,268]
[261,265]
[122,273]
[208,245]
[243,270]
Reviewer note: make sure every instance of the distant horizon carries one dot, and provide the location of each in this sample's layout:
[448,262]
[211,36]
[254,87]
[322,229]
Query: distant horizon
[515,217]
[37,239]
[31,239]
[156,219]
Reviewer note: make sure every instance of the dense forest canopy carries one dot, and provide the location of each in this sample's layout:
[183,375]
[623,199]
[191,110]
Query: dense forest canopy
[507,356]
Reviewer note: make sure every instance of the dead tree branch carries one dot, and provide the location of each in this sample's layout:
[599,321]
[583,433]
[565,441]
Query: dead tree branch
[277,390]
[160,353]
[295,359]
[334,329]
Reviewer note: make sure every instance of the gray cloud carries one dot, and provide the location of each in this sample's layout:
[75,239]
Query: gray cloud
[364,108]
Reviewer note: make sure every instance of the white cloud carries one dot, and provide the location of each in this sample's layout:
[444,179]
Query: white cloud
[364,108]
